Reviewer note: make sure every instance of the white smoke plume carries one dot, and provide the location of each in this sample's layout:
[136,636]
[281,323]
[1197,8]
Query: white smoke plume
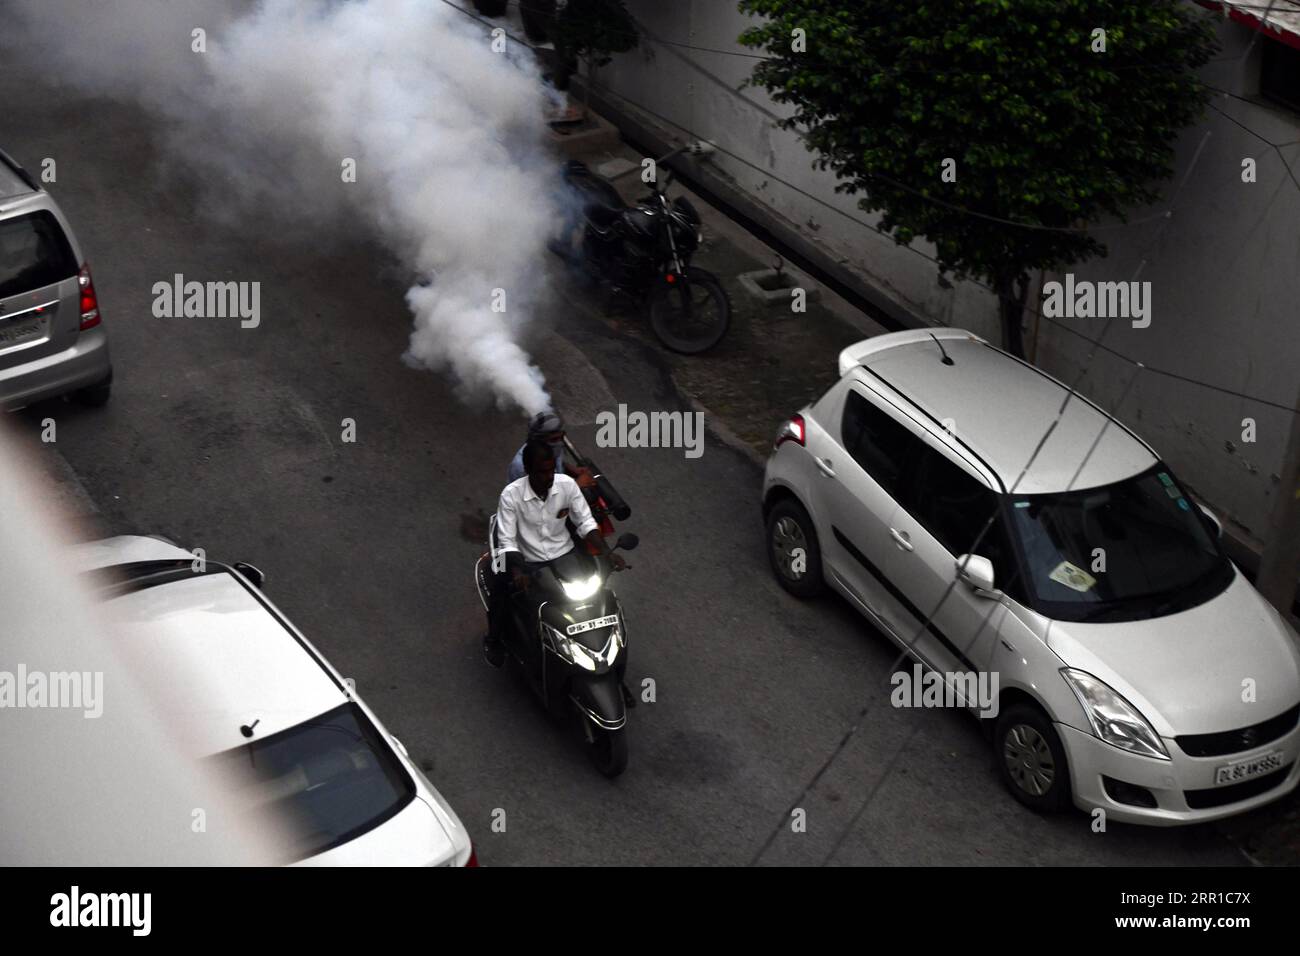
[446,135]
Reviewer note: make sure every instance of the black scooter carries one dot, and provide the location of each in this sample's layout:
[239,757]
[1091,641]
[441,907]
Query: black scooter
[568,634]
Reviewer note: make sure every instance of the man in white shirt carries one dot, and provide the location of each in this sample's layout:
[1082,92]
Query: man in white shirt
[531,532]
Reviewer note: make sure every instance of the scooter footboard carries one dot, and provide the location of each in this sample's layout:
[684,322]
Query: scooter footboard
[600,697]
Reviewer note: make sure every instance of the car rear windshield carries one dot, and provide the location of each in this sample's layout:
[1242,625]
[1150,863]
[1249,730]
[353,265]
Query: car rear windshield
[321,783]
[1135,549]
[34,253]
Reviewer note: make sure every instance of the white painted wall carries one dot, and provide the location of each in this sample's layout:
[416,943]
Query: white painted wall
[1225,273]
[1225,276]
[697,90]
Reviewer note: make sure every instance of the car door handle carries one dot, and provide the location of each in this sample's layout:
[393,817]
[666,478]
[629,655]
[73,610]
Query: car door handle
[824,465]
[900,539]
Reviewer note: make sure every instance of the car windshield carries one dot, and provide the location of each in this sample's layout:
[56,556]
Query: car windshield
[322,782]
[1135,549]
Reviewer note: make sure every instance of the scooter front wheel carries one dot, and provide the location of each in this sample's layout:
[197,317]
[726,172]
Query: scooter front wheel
[691,314]
[608,750]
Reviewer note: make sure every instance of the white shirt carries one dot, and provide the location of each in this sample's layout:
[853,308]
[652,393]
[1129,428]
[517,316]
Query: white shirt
[534,526]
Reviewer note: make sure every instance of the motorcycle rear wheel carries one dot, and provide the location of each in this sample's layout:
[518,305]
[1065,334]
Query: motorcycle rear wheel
[691,314]
[608,750]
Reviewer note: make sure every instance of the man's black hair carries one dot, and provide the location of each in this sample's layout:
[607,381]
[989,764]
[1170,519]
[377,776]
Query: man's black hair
[536,453]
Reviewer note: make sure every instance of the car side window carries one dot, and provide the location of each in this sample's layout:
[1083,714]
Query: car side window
[953,505]
[878,443]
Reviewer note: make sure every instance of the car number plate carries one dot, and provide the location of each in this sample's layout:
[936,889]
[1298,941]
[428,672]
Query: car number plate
[591,625]
[1245,769]
[17,333]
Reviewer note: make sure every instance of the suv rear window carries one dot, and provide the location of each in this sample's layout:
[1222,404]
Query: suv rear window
[34,253]
[878,443]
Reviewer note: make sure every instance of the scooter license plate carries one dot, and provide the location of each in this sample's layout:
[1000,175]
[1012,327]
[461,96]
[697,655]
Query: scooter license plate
[591,625]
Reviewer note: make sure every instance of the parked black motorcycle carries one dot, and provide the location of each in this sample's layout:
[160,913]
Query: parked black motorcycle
[645,251]
[568,635]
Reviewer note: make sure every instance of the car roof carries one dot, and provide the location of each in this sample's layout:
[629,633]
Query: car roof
[220,658]
[1000,408]
[12,182]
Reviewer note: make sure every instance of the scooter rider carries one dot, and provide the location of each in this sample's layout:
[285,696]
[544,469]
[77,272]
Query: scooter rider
[531,532]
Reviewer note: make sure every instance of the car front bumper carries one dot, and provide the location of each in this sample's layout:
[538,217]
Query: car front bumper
[1170,781]
[84,363]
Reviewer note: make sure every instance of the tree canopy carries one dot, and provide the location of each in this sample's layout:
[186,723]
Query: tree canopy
[1039,117]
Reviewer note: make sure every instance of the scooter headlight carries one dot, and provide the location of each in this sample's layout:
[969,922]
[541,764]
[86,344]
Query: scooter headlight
[582,589]
[1114,719]
[571,650]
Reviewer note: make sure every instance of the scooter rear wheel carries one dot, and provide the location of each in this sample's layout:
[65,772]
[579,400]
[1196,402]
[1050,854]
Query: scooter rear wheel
[608,750]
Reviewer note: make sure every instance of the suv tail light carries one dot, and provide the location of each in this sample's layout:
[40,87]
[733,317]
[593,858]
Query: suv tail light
[89,301]
[473,857]
[791,431]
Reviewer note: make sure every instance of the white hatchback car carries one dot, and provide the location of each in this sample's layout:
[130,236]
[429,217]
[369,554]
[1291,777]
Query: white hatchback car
[1134,667]
[246,689]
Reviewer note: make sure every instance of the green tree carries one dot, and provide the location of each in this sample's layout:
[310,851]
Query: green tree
[590,30]
[1046,128]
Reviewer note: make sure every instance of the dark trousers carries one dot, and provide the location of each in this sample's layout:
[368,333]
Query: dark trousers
[500,592]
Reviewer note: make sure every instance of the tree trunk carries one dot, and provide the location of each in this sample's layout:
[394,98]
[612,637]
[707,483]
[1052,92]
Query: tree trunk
[1012,293]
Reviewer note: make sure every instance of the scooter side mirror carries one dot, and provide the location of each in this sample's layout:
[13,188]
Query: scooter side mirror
[627,541]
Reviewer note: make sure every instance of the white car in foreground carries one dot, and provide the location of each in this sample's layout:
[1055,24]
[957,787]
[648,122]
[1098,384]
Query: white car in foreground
[243,687]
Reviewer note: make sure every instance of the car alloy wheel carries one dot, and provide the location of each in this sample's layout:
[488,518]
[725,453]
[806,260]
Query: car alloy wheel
[1029,760]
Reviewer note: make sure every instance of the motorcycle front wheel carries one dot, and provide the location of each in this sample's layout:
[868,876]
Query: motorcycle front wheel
[690,314]
[608,750]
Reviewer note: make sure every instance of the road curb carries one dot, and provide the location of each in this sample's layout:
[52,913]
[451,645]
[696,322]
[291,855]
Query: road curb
[714,423]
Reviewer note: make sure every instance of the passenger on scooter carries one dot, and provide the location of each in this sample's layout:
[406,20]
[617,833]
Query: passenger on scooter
[548,427]
[531,532]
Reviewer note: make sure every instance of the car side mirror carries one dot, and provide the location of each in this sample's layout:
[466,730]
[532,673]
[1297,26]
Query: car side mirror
[977,575]
[253,574]
[1213,519]
[627,541]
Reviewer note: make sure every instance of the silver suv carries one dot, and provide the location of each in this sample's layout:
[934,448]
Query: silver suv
[1084,608]
[52,338]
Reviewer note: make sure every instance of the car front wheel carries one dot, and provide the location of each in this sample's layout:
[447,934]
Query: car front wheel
[1031,759]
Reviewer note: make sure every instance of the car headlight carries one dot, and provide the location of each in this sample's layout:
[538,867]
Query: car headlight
[581,590]
[1114,719]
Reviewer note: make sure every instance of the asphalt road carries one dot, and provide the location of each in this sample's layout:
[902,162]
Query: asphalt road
[229,439]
